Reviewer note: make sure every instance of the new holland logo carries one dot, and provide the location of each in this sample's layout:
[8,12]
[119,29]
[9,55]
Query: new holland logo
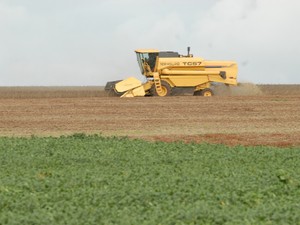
[170,64]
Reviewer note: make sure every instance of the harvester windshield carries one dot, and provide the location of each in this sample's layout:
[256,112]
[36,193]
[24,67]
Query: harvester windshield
[146,58]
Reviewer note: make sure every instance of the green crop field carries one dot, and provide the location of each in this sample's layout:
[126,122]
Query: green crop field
[83,179]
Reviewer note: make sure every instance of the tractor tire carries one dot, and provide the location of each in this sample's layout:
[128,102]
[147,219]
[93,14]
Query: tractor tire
[207,92]
[197,93]
[167,89]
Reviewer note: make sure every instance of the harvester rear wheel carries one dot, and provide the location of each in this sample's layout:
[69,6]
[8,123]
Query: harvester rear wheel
[166,89]
[207,92]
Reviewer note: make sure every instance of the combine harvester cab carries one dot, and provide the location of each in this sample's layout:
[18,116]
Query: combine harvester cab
[169,73]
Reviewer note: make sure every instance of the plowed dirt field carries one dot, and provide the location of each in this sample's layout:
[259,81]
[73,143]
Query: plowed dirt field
[272,120]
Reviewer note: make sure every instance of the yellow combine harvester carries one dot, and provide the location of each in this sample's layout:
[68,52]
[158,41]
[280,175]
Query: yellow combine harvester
[169,73]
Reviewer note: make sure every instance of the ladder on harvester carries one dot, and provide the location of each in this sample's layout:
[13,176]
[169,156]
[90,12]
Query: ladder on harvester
[157,83]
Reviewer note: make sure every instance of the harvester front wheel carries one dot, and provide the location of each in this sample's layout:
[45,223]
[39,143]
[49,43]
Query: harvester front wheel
[197,93]
[166,89]
[207,92]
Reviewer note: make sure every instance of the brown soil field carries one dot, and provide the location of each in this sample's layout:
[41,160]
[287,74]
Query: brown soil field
[243,89]
[51,92]
[245,119]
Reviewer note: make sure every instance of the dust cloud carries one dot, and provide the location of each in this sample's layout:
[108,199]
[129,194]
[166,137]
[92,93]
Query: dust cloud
[242,89]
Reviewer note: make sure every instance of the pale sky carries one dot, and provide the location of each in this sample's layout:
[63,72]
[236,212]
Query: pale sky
[82,43]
